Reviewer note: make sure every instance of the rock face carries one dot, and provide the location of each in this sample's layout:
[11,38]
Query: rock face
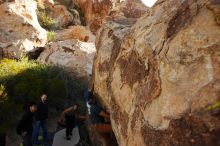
[99,11]
[95,12]
[61,16]
[75,32]
[158,77]
[75,55]
[19,28]
[128,8]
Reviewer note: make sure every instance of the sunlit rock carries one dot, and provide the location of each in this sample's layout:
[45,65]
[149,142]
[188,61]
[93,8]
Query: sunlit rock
[75,55]
[20,30]
[98,12]
[158,77]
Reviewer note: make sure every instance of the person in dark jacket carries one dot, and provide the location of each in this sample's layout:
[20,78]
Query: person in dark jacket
[70,117]
[41,117]
[24,127]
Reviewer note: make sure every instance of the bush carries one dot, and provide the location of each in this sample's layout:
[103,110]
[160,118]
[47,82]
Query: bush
[44,20]
[50,36]
[23,81]
[8,109]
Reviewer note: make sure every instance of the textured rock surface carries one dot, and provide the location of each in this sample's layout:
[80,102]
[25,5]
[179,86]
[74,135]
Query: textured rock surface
[95,12]
[128,8]
[76,17]
[75,32]
[19,28]
[158,77]
[99,11]
[61,16]
[75,55]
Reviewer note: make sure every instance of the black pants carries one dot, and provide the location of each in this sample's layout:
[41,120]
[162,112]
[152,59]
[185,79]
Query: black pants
[69,130]
[70,124]
[27,140]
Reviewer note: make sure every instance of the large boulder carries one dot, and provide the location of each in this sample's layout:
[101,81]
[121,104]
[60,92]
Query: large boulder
[61,16]
[99,11]
[74,55]
[128,8]
[20,31]
[160,79]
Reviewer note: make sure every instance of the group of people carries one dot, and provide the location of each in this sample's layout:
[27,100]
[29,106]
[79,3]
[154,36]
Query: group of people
[35,118]
[32,120]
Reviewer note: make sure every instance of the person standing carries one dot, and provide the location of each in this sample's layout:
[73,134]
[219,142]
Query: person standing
[24,127]
[70,116]
[41,117]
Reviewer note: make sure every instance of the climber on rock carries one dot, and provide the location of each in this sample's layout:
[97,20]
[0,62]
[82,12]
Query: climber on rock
[97,117]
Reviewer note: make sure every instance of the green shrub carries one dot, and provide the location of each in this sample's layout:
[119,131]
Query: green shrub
[50,36]
[8,109]
[214,106]
[44,20]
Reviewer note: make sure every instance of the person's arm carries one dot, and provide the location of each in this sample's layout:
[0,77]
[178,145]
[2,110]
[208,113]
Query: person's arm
[104,114]
[81,117]
[62,117]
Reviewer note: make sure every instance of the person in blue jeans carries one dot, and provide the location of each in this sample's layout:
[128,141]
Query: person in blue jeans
[41,117]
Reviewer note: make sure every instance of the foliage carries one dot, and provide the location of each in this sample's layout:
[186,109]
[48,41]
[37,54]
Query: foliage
[45,21]
[50,36]
[214,106]
[8,109]
[3,95]
[40,4]
[23,81]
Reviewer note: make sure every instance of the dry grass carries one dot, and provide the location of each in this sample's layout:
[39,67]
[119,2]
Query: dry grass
[75,32]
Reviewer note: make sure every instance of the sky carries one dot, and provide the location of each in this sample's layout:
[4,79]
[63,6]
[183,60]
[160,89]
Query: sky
[149,3]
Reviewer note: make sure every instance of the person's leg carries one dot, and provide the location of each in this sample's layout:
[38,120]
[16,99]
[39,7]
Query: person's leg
[71,130]
[103,128]
[36,132]
[68,128]
[44,129]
